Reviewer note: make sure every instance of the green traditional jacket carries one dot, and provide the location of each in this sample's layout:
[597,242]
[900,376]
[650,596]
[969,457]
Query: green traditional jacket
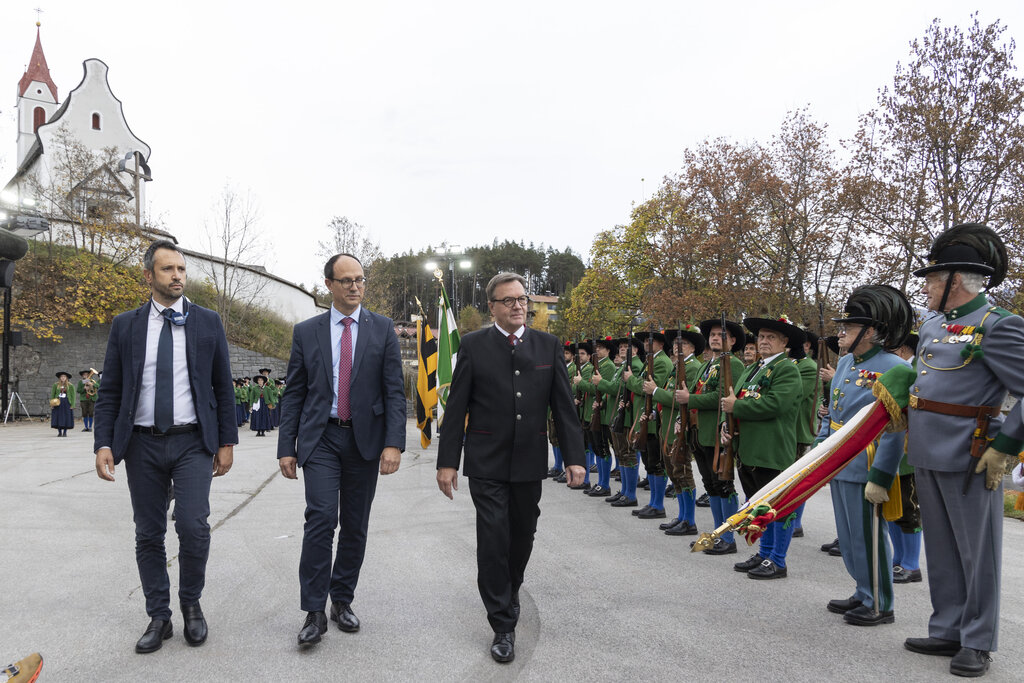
[269,396]
[241,393]
[666,398]
[72,394]
[80,390]
[661,368]
[807,416]
[586,391]
[768,400]
[608,388]
[704,397]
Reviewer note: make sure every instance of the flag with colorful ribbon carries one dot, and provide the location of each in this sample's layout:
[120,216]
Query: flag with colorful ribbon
[447,351]
[780,497]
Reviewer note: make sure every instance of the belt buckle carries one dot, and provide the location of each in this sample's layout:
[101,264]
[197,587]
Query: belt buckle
[912,402]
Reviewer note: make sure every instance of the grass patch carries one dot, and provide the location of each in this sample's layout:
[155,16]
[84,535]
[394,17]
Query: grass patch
[1009,504]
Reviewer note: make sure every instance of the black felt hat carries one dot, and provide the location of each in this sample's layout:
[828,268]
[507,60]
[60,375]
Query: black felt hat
[611,344]
[783,325]
[642,335]
[970,247]
[262,370]
[735,329]
[65,373]
[883,307]
[690,333]
[585,346]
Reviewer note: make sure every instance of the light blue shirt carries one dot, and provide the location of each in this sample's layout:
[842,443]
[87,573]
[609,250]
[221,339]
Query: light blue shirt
[336,329]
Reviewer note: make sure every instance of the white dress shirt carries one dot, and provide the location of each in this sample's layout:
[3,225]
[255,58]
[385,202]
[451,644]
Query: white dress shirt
[518,333]
[184,409]
[336,329]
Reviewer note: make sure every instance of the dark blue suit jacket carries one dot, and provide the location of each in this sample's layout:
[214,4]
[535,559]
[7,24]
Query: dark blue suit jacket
[209,372]
[376,389]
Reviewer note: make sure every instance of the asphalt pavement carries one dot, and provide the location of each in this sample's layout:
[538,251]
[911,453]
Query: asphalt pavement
[607,597]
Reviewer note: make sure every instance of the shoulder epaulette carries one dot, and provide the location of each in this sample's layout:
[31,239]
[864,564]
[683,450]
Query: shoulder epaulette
[1000,311]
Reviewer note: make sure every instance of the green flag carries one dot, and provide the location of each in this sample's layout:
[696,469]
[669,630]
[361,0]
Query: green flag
[447,350]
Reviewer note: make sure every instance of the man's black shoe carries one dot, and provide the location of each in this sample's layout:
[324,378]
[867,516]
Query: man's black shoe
[901,575]
[828,546]
[798,532]
[865,616]
[614,497]
[503,647]
[561,479]
[969,662]
[670,491]
[599,492]
[341,613]
[624,502]
[682,529]
[703,502]
[767,570]
[669,524]
[653,513]
[720,547]
[580,486]
[644,484]
[835,552]
[643,509]
[195,624]
[313,629]
[939,647]
[156,633]
[748,564]
[554,472]
[842,606]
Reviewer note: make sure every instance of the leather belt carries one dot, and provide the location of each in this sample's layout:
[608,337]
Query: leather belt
[171,431]
[955,409]
[983,415]
[346,424]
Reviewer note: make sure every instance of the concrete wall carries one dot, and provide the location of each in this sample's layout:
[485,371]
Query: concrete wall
[34,364]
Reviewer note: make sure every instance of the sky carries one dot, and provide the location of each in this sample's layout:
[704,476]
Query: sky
[455,121]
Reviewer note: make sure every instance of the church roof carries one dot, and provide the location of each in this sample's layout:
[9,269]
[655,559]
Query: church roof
[37,71]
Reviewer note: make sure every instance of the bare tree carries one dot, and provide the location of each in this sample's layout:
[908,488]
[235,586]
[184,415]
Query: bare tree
[349,237]
[233,239]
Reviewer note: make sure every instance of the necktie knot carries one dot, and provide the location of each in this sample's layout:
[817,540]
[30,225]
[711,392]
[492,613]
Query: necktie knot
[513,339]
[347,322]
[168,314]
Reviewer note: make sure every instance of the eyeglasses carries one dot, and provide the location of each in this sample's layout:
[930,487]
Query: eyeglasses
[511,301]
[347,282]
[842,330]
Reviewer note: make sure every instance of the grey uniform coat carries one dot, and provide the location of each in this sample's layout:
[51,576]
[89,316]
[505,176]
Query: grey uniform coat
[963,532]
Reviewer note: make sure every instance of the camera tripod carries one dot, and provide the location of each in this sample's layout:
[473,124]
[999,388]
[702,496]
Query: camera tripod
[10,404]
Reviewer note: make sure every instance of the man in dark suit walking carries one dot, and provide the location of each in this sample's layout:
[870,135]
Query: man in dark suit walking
[342,421]
[167,410]
[506,377]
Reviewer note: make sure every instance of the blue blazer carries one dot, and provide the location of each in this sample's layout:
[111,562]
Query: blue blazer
[209,372]
[376,389]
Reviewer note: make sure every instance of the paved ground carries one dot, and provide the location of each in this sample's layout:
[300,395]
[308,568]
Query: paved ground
[607,597]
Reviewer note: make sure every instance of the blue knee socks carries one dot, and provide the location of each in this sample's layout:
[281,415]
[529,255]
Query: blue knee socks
[729,507]
[590,461]
[911,551]
[658,483]
[688,506]
[558,457]
[604,472]
[896,536]
[630,478]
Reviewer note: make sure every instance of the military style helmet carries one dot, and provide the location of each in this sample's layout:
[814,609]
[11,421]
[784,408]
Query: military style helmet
[883,307]
[969,247]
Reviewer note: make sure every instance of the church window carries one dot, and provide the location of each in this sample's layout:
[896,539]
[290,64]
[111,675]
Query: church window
[38,118]
[95,121]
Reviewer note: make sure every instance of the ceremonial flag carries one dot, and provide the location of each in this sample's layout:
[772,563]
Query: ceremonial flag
[426,380]
[447,350]
[785,493]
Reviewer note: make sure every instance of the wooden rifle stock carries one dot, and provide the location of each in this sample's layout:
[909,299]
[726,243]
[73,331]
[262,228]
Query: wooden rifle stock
[641,437]
[684,415]
[723,462]
[595,417]
[619,423]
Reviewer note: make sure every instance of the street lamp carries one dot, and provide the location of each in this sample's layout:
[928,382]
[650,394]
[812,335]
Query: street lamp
[451,254]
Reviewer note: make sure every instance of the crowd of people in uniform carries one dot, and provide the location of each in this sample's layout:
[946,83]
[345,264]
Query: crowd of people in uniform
[747,403]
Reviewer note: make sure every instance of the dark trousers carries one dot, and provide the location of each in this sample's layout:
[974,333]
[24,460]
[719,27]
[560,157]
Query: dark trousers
[705,457]
[153,465]
[336,478]
[599,440]
[753,478]
[506,520]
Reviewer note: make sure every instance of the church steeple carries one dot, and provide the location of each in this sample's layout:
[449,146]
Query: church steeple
[37,71]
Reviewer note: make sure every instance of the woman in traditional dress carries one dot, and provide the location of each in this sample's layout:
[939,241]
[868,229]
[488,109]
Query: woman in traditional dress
[62,402]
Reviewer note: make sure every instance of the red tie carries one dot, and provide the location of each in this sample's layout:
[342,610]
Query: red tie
[513,339]
[345,371]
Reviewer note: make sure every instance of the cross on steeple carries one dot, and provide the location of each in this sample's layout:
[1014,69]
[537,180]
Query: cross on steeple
[38,11]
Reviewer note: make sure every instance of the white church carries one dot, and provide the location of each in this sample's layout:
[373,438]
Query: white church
[92,115]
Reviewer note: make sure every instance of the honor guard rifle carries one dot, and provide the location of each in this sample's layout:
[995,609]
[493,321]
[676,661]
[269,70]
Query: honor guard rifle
[641,437]
[619,423]
[595,417]
[684,416]
[723,462]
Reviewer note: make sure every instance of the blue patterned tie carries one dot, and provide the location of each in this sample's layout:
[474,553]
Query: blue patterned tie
[163,405]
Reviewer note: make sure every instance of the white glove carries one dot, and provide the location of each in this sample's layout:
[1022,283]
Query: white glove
[875,494]
[1018,475]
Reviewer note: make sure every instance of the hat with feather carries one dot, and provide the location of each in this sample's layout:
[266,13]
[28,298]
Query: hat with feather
[882,307]
[970,247]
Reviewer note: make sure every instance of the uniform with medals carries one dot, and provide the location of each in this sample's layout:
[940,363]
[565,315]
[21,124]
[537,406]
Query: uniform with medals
[887,314]
[968,359]
[768,397]
[703,404]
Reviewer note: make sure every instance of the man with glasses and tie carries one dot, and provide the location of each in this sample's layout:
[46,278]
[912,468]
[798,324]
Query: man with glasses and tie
[342,421]
[506,377]
[167,411]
